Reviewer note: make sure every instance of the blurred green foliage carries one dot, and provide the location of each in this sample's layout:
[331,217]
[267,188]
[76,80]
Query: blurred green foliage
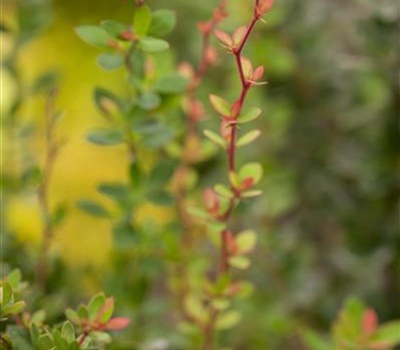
[328,220]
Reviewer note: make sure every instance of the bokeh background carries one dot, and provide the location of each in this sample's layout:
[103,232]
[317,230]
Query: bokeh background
[328,220]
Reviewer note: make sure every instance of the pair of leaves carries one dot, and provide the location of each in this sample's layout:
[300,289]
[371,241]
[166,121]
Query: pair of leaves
[239,246]
[147,27]
[356,328]
[156,24]
[8,305]
[97,315]
[247,177]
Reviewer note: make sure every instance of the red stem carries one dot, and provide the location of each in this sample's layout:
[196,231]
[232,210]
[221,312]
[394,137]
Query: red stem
[231,154]
[82,338]
[231,149]
[245,88]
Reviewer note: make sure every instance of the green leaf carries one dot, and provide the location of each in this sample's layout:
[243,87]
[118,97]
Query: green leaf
[45,342]
[93,208]
[153,45]
[6,294]
[124,236]
[162,172]
[14,308]
[135,175]
[195,308]
[160,197]
[101,337]
[251,170]
[19,337]
[251,193]
[348,325]
[45,82]
[82,312]
[173,83]
[149,100]
[105,137]
[199,213]
[223,282]
[154,134]
[34,332]
[220,105]
[93,35]
[59,341]
[223,190]
[249,116]
[388,332]
[234,179]
[248,138]
[239,262]
[110,60]
[106,101]
[96,303]
[246,241]
[142,20]
[59,214]
[116,191]
[32,176]
[137,60]
[68,331]
[38,317]
[221,304]
[74,346]
[214,137]
[14,278]
[228,319]
[72,315]
[108,310]
[163,21]
[113,28]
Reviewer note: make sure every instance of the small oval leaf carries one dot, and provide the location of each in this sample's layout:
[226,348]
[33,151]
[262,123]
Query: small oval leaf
[251,170]
[113,28]
[239,261]
[248,138]
[228,319]
[93,35]
[220,105]
[246,241]
[92,208]
[142,20]
[213,136]
[249,116]
[105,137]
[171,84]
[110,60]
[163,21]
[153,45]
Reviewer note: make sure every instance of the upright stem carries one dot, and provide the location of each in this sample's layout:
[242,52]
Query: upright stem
[192,118]
[208,331]
[43,191]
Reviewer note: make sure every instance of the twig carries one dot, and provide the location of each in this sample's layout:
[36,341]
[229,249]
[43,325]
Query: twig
[246,83]
[193,115]
[52,148]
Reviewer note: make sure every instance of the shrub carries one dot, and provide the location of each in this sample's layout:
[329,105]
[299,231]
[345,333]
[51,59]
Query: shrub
[184,282]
